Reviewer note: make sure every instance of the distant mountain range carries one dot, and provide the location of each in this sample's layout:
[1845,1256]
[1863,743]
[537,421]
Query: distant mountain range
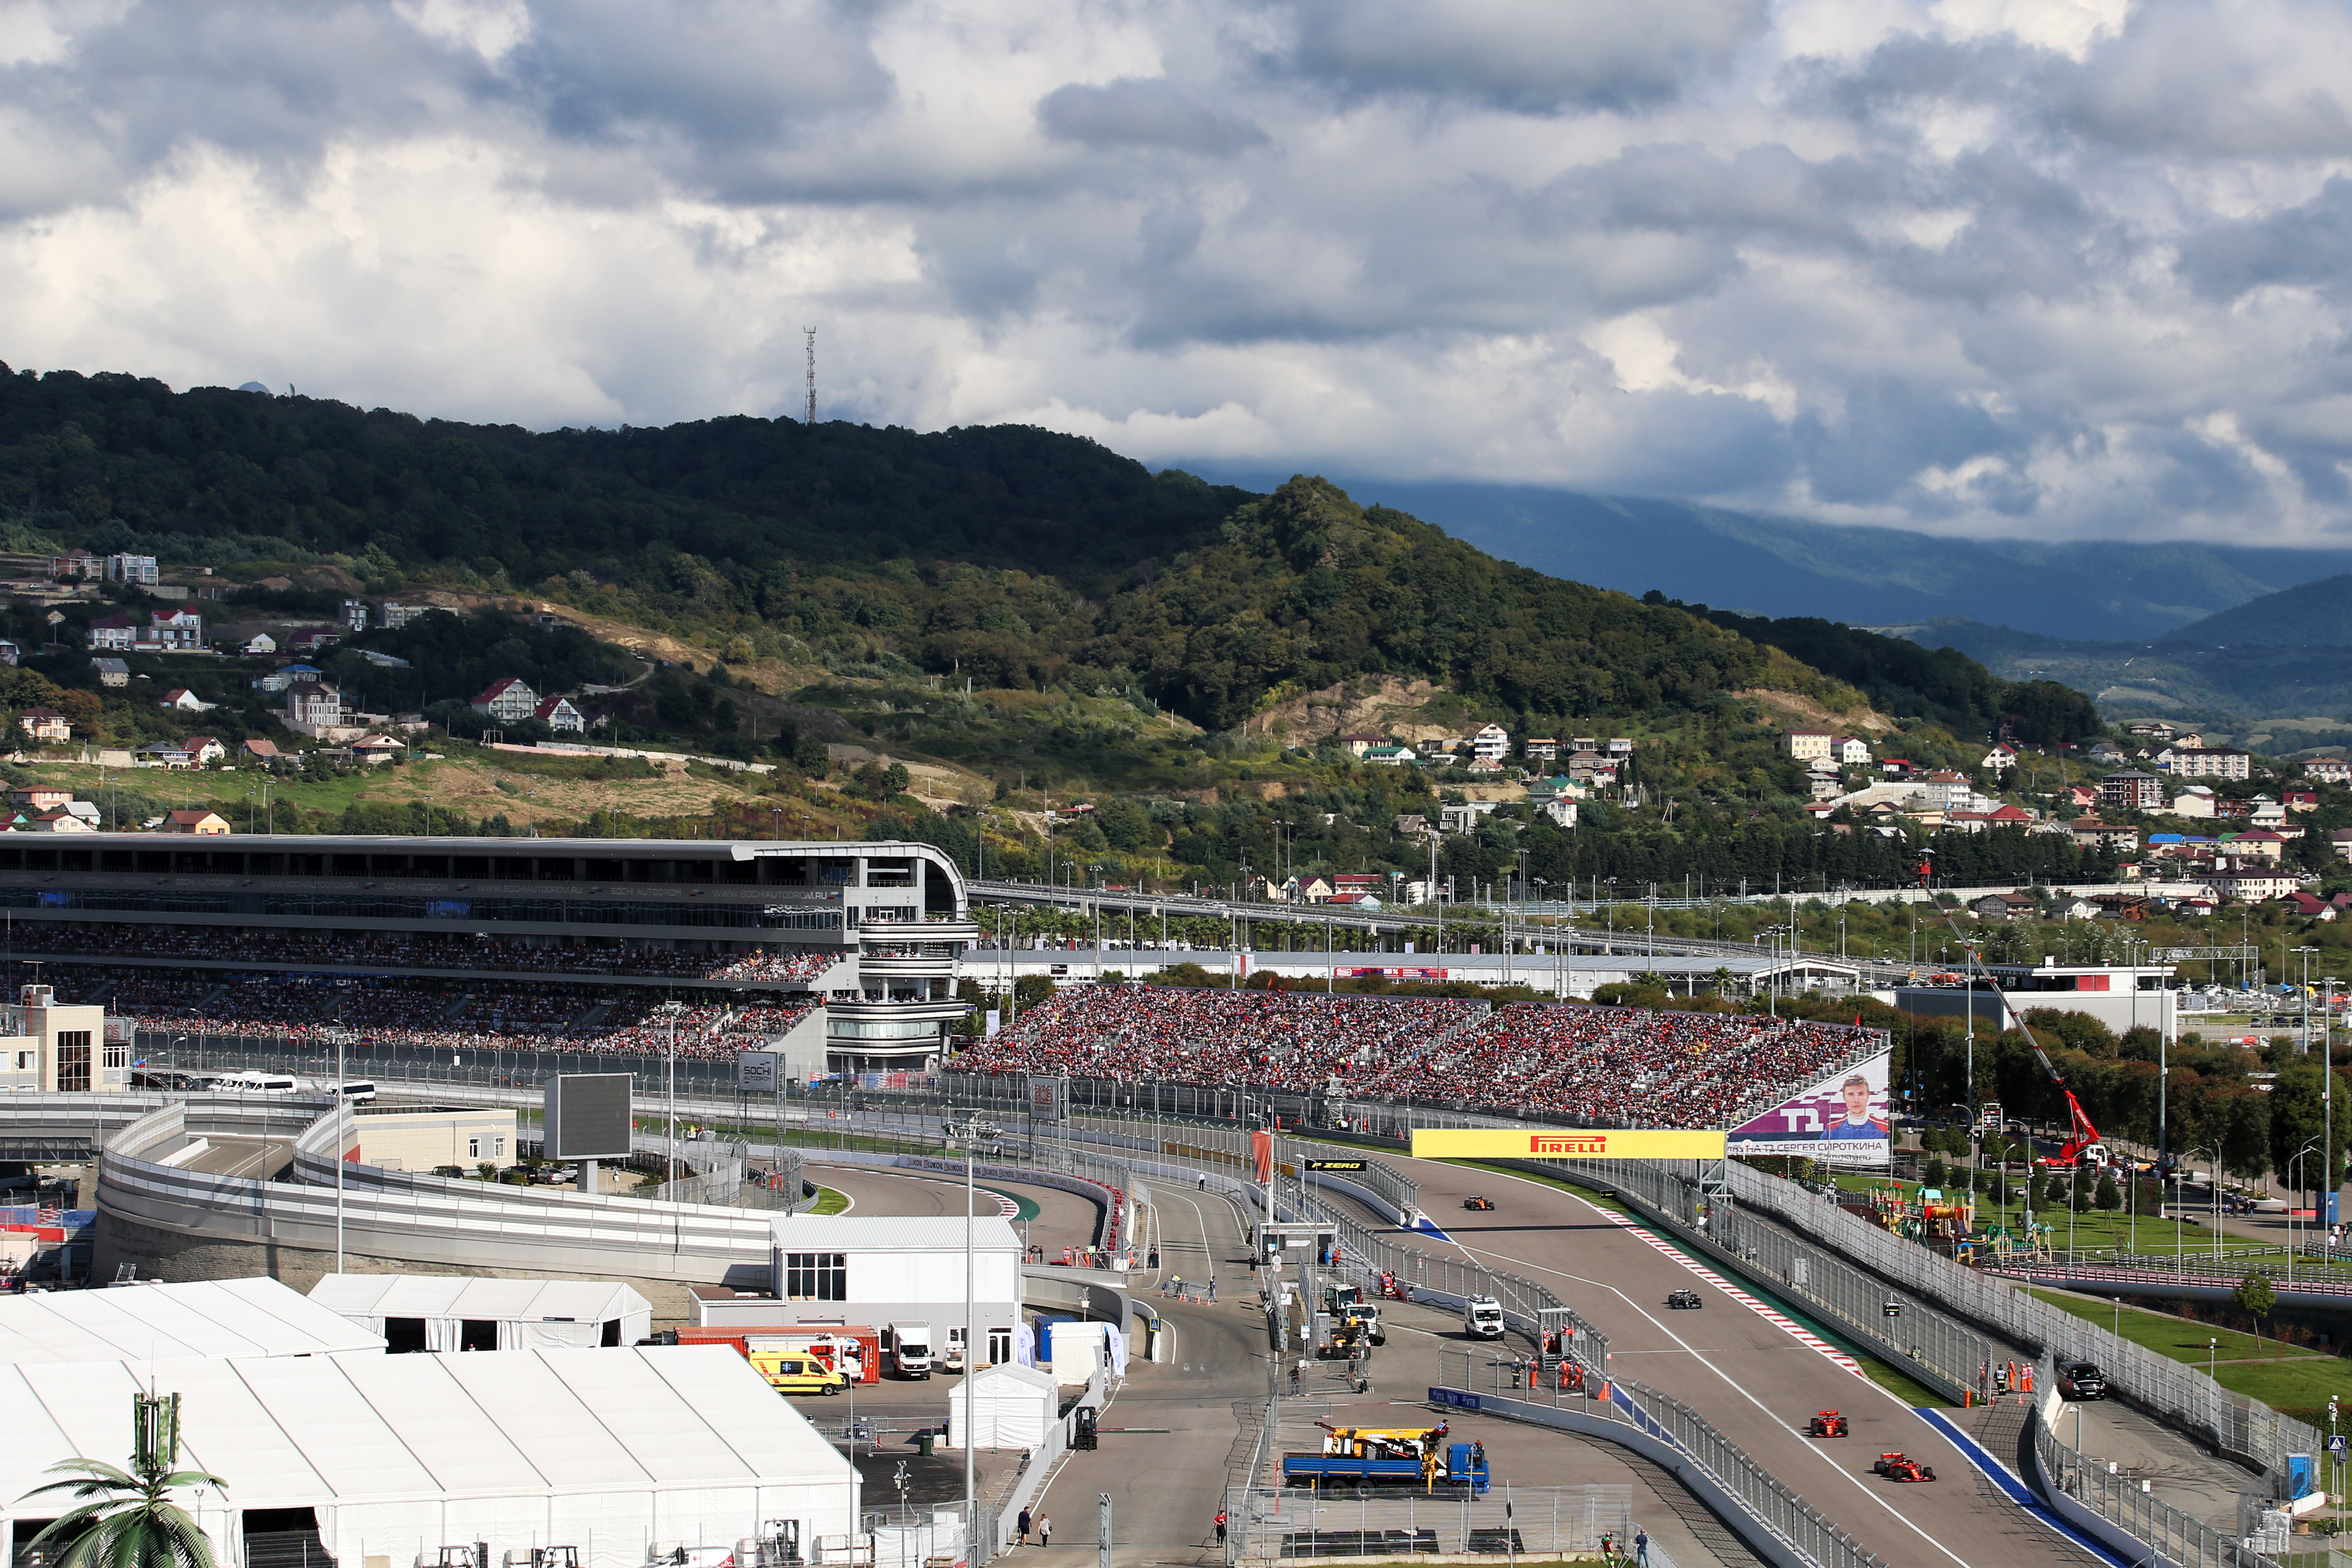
[2309,614]
[2091,591]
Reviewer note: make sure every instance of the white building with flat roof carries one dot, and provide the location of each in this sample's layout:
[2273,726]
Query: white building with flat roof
[872,1270]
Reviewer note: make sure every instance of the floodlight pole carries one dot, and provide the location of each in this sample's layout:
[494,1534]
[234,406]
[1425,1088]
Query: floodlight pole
[342,1138]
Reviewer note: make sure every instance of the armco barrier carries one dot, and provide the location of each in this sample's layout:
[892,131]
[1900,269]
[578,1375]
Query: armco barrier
[2238,1426]
[2113,1510]
[1939,1350]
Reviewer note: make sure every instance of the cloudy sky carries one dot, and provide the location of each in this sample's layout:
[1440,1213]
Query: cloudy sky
[2031,266]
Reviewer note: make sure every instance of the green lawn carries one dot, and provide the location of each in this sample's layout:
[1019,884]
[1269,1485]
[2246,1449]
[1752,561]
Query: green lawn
[2290,1378]
[829,1201]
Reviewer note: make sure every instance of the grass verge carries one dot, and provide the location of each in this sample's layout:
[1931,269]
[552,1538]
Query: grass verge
[830,1201]
[2295,1381]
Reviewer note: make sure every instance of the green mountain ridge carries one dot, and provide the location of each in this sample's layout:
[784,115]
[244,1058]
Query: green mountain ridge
[1023,560]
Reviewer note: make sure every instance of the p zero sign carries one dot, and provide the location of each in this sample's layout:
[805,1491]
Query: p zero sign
[1335,1165]
[1518,1143]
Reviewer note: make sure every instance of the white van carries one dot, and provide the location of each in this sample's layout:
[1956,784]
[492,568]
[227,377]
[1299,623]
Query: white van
[255,1083]
[908,1347]
[1482,1318]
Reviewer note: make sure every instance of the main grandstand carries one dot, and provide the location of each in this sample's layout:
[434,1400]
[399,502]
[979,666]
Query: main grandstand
[617,945]
[1610,1067]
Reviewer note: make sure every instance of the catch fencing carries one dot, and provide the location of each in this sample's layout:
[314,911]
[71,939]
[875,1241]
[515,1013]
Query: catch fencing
[1945,1351]
[2181,1392]
[1493,1388]
[1276,1524]
[2125,1502]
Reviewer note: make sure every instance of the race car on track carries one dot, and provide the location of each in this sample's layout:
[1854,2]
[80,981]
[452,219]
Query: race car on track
[1683,1299]
[1475,1202]
[1827,1424]
[1902,1467]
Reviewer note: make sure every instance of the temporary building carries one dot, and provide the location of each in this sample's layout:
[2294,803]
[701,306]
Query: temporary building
[151,1321]
[1004,1406]
[379,1459]
[460,1312]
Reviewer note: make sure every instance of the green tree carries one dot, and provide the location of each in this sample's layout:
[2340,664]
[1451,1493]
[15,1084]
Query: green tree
[2109,1196]
[810,756]
[2255,1297]
[126,1518]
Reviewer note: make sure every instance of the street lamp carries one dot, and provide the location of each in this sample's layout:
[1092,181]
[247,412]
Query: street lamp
[973,1133]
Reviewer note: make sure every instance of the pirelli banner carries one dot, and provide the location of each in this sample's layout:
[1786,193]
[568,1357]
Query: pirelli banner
[1609,1144]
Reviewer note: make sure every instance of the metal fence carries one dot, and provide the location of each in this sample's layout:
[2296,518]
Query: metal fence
[1945,1349]
[2127,1502]
[1808,1532]
[2181,1393]
[1273,1524]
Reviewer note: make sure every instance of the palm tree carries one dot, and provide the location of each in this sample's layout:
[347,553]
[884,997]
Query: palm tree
[127,1519]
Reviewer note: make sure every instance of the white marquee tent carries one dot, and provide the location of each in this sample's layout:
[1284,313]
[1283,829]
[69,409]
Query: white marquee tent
[150,1321]
[1011,1407]
[397,1456]
[456,1311]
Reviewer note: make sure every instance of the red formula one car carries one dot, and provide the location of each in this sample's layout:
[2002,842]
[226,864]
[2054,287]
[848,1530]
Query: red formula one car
[1827,1424]
[1902,1467]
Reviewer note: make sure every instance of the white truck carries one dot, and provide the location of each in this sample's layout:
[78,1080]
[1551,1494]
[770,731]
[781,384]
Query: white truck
[908,1347]
[1482,1318]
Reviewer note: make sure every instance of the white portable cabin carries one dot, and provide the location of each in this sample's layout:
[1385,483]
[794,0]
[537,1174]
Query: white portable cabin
[455,1312]
[1004,1406]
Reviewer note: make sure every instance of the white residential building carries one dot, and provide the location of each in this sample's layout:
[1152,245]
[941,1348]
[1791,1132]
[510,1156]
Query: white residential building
[1806,744]
[2205,763]
[139,569]
[1491,744]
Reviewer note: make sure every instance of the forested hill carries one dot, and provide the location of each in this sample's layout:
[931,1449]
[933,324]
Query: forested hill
[1020,557]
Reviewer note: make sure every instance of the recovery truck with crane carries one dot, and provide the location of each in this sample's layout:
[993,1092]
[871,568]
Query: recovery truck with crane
[1365,1457]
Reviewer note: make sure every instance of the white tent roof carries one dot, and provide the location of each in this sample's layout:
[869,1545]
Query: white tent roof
[491,1301]
[143,1322]
[358,1427]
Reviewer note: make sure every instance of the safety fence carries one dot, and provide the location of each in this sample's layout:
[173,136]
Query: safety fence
[2185,1395]
[1490,1387]
[2127,1503]
[2126,1273]
[1896,1324]
[1275,1524]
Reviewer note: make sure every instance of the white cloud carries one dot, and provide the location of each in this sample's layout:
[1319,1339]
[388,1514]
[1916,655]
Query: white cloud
[2031,266]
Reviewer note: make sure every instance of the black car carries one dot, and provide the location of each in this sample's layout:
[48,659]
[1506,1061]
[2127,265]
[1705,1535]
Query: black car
[2081,1379]
[1681,1300]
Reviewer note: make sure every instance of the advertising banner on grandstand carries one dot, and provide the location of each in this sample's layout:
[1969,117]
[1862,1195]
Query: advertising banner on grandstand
[1047,1096]
[1598,1143]
[1842,1119]
[1394,974]
[755,1071]
[994,1020]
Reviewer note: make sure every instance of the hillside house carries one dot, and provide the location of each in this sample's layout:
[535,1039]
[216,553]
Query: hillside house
[259,749]
[1417,826]
[1946,791]
[2196,801]
[175,631]
[2299,799]
[1357,745]
[164,755]
[39,797]
[2205,763]
[286,677]
[1850,751]
[558,714]
[1491,744]
[2003,906]
[112,632]
[356,615]
[2252,885]
[2328,770]
[508,700]
[110,671]
[45,724]
[1973,821]
[312,641]
[1390,756]
[180,699]
[2092,834]
[77,566]
[2000,759]
[375,749]
[1897,769]
[2132,790]
[203,824]
[206,750]
[260,645]
[1464,819]
[139,569]
[1542,749]
[2311,905]
[315,705]
[2258,844]
[1804,745]
[1560,809]
[1621,747]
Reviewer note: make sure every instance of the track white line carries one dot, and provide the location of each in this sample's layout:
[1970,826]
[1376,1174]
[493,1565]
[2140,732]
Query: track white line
[1800,1439]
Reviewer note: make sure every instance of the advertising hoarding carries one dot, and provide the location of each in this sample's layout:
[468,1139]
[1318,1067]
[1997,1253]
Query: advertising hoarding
[1842,1120]
[755,1071]
[588,1115]
[1563,1143]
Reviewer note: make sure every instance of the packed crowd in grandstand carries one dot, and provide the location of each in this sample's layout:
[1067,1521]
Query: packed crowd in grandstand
[1605,1066]
[426,1012]
[403,950]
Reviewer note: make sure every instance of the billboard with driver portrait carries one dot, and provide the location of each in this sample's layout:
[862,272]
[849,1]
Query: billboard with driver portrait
[1841,1119]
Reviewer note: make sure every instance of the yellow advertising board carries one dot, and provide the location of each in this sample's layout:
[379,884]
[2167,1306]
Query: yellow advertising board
[1606,1143]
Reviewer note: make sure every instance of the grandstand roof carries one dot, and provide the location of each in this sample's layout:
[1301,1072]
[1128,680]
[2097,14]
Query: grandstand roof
[233,1318]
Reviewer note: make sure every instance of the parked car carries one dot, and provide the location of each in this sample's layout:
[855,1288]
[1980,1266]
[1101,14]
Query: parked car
[2081,1379]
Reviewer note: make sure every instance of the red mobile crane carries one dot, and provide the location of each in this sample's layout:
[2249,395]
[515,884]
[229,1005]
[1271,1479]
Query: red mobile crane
[2083,1146]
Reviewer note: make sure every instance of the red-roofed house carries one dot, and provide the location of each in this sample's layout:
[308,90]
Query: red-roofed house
[206,749]
[561,716]
[507,698]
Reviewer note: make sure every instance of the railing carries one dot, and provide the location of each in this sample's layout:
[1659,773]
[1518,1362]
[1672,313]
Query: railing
[2239,1425]
[1496,1389]
[1946,1349]
[1272,1525]
[2125,1502]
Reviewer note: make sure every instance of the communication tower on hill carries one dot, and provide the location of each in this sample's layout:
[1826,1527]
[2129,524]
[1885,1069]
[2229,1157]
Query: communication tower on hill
[811,332]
